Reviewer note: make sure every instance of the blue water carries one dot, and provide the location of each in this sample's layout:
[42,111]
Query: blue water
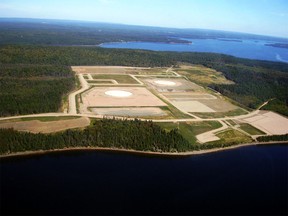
[246,181]
[251,49]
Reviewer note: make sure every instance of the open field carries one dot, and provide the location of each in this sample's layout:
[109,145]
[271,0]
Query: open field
[233,136]
[103,69]
[269,122]
[119,78]
[190,130]
[192,106]
[235,112]
[107,82]
[250,129]
[96,97]
[172,85]
[53,125]
[202,75]
[130,111]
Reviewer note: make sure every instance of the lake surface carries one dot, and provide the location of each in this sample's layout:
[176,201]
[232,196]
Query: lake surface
[251,49]
[249,180]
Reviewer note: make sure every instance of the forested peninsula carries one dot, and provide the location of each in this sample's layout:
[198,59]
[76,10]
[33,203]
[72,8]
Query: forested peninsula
[35,79]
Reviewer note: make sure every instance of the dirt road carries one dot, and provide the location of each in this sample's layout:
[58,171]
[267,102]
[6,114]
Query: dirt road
[72,96]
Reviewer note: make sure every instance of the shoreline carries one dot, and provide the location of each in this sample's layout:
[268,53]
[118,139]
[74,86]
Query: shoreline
[131,151]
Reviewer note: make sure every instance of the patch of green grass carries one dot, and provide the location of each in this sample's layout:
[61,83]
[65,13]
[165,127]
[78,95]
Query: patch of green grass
[235,112]
[232,137]
[99,82]
[121,79]
[174,112]
[250,129]
[202,75]
[231,122]
[189,130]
[42,119]
[50,118]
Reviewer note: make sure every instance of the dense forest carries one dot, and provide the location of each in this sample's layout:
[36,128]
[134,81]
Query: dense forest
[33,88]
[283,137]
[137,135]
[255,81]
[56,32]
[64,32]
[111,133]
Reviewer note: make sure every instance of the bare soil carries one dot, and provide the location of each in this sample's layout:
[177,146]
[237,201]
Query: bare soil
[96,97]
[36,126]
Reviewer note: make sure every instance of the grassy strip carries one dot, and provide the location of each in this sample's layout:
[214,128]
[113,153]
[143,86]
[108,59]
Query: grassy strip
[235,112]
[231,137]
[190,130]
[250,129]
[99,82]
[42,119]
[121,79]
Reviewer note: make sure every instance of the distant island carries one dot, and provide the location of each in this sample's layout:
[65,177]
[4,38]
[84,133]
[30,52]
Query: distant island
[231,40]
[279,45]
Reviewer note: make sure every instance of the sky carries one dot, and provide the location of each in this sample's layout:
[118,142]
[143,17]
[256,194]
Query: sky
[265,17]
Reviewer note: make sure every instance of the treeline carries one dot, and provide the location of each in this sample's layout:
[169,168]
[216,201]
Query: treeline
[110,133]
[51,32]
[254,85]
[26,89]
[255,81]
[136,135]
[283,137]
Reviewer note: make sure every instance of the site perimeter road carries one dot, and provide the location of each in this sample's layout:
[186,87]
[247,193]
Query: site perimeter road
[154,120]
[72,96]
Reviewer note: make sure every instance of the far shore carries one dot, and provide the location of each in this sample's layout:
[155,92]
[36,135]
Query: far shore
[178,154]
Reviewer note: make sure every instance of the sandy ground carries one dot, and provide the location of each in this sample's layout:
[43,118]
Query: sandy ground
[210,135]
[96,97]
[105,69]
[219,105]
[130,112]
[181,85]
[191,106]
[36,126]
[189,96]
[269,122]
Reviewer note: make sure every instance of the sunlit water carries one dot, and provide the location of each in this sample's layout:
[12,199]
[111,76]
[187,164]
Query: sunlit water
[251,49]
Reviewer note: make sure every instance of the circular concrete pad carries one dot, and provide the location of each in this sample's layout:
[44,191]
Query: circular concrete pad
[118,93]
[165,82]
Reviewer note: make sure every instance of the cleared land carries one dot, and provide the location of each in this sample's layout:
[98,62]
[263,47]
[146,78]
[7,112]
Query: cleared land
[103,69]
[37,126]
[202,75]
[130,112]
[192,106]
[233,136]
[269,122]
[119,78]
[180,85]
[190,130]
[96,97]
[250,129]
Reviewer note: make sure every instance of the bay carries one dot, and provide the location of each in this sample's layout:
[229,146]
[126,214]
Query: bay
[248,181]
[246,48]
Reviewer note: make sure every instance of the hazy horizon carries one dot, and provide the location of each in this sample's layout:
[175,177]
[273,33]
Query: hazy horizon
[260,17]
